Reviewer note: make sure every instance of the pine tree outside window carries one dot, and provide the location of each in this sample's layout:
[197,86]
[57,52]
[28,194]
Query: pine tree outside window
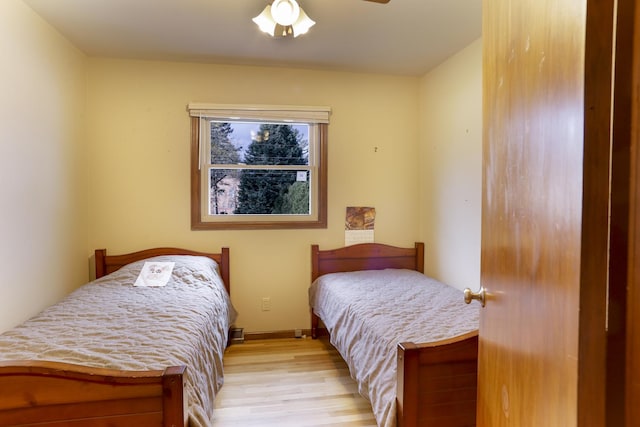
[258,167]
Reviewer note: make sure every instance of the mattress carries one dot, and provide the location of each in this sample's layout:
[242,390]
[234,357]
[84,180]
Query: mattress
[109,323]
[368,313]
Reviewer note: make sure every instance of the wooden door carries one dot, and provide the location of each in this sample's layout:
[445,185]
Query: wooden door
[633,314]
[623,264]
[547,108]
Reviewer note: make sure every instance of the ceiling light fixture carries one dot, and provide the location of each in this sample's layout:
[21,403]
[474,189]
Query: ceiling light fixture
[283,18]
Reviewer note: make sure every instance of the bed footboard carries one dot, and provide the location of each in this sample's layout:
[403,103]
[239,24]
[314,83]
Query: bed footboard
[437,383]
[56,394]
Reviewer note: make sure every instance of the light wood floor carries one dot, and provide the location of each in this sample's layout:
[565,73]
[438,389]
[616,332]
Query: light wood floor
[288,382]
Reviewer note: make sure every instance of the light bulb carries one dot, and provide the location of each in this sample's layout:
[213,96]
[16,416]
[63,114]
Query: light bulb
[285,12]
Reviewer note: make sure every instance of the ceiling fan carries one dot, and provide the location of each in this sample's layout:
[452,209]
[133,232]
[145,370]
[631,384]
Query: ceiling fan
[283,18]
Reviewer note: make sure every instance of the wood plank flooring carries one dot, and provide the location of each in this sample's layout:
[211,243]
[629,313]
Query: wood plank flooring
[289,382]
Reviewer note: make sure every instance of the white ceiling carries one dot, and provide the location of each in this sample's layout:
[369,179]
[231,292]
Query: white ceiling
[406,37]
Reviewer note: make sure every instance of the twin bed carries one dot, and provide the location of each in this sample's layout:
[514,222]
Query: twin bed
[409,341]
[112,354]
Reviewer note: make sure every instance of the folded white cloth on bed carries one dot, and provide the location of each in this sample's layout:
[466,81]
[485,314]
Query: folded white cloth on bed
[155,274]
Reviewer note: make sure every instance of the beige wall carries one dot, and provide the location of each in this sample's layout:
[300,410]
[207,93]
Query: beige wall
[138,142]
[451,168]
[95,153]
[43,225]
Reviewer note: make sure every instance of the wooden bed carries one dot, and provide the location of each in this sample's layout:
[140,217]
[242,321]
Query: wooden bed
[60,394]
[436,381]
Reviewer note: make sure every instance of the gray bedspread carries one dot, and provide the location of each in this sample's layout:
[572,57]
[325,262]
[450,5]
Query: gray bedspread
[369,312]
[109,323]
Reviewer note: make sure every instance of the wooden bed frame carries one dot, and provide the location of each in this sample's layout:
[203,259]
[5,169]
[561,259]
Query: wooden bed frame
[437,381]
[60,394]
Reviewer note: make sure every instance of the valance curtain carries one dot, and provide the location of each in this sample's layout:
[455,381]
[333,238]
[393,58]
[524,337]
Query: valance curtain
[278,113]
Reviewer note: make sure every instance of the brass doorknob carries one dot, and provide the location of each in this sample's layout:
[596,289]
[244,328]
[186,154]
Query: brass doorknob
[469,295]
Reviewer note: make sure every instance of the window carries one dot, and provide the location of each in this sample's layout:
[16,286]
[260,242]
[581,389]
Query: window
[258,167]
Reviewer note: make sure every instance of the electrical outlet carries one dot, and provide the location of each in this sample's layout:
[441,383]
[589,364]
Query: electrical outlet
[266,303]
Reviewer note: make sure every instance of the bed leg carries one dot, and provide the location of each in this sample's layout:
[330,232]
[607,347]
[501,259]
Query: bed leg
[407,385]
[315,320]
[174,402]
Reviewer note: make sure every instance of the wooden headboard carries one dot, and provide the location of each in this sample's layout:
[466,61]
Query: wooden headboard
[106,264]
[365,256]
